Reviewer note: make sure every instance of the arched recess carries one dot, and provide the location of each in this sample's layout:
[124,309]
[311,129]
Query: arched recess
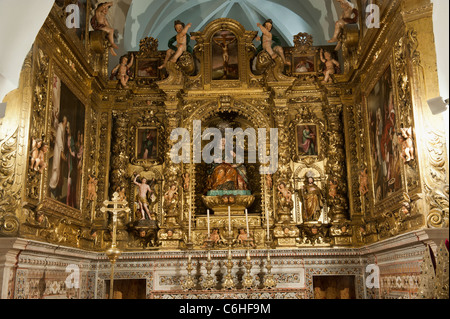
[244,110]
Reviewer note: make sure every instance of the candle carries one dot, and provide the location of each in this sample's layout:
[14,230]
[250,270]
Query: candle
[246,220]
[229,220]
[189,234]
[268,255]
[209,231]
[267,222]
[189,258]
[209,255]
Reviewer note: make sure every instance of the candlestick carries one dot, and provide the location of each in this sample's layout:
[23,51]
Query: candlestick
[190,217]
[247,279]
[229,220]
[269,280]
[188,283]
[209,230]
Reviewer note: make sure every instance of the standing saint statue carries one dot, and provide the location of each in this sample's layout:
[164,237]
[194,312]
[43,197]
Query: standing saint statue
[312,200]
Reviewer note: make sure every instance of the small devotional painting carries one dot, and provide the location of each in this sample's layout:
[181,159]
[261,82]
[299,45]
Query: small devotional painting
[147,68]
[66,145]
[147,143]
[303,64]
[384,146]
[307,141]
[225,56]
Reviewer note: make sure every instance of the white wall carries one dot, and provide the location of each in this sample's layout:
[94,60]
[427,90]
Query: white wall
[441,34]
[20,22]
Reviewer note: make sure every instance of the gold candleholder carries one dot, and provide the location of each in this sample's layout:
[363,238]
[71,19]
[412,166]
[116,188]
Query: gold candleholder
[269,280]
[113,252]
[188,283]
[208,282]
[229,281]
[247,280]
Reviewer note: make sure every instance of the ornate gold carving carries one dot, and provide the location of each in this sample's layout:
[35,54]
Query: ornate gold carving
[438,201]
[335,166]
[9,190]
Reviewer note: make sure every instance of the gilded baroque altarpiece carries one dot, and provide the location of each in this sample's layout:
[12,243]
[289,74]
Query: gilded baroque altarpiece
[341,142]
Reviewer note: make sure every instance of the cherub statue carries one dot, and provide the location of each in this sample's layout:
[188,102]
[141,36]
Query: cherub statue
[215,237]
[333,185]
[38,151]
[144,190]
[92,188]
[42,152]
[186,181]
[330,65]
[121,192]
[363,182]
[405,139]
[270,42]
[120,72]
[268,178]
[182,38]
[171,193]
[100,22]
[405,210]
[284,192]
[349,15]
[243,237]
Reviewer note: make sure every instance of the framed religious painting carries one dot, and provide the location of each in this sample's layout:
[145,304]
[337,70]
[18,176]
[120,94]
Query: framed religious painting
[307,141]
[147,144]
[304,64]
[66,148]
[224,64]
[147,68]
[384,148]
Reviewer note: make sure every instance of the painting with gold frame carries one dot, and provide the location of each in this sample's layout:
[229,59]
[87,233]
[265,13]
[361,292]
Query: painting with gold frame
[304,64]
[147,140]
[65,166]
[147,68]
[224,64]
[307,141]
[383,144]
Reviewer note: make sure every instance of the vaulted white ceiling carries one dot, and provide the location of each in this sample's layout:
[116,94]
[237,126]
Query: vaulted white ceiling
[155,18]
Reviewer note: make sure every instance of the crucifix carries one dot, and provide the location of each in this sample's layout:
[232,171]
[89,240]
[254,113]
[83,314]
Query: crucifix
[113,252]
[224,42]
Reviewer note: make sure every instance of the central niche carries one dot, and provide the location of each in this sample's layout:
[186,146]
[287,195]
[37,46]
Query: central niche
[224,64]
[203,170]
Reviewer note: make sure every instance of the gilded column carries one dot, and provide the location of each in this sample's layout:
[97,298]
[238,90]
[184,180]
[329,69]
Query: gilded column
[285,232]
[335,166]
[171,234]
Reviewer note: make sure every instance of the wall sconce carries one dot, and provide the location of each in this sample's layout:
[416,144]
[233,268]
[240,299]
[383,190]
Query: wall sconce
[437,105]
